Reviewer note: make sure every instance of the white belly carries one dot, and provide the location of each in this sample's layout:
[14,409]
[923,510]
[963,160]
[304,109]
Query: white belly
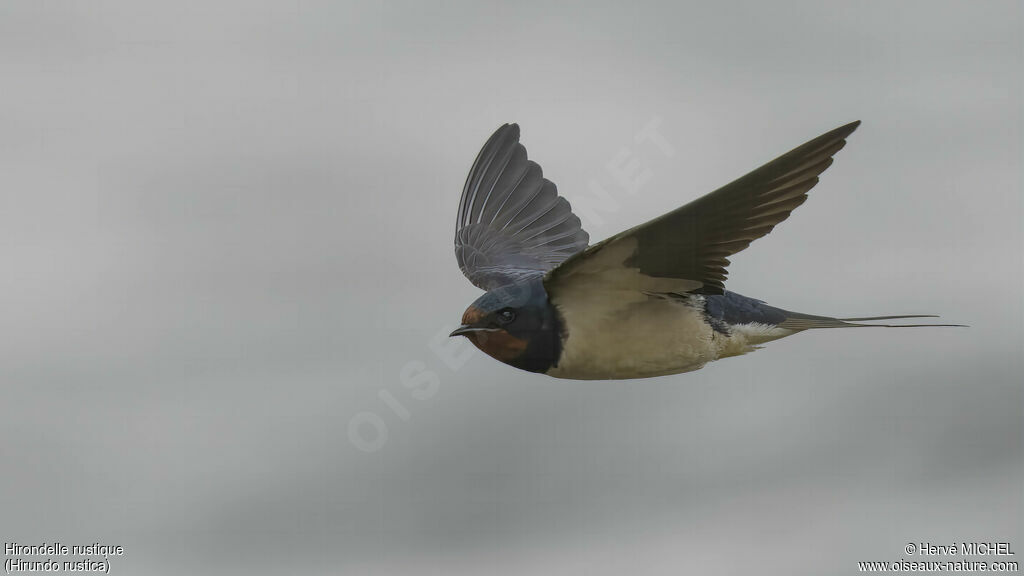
[623,335]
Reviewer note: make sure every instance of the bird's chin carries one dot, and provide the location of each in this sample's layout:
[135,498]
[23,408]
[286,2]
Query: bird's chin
[498,344]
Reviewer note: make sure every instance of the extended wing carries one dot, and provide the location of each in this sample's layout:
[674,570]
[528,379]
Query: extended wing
[512,224]
[689,247]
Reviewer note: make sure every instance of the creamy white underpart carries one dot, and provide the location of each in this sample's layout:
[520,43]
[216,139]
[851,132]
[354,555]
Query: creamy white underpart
[617,325]
[615,331]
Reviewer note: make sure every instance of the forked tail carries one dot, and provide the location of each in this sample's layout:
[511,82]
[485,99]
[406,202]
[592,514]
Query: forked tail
[798,321]
[730,309]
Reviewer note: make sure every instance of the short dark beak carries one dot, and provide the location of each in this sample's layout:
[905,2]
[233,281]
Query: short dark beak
[467,328]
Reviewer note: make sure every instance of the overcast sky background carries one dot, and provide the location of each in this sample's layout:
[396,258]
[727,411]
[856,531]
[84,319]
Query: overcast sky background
[226,228]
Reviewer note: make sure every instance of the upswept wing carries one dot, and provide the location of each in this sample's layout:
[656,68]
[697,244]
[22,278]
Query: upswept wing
[512,224]
[691,244]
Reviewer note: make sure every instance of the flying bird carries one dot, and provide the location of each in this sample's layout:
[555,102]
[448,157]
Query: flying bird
[646,302]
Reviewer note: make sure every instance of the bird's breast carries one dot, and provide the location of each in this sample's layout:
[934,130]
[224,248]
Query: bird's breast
[630,335]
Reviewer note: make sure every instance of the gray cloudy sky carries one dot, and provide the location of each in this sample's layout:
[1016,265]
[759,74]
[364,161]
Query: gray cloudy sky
[226,229]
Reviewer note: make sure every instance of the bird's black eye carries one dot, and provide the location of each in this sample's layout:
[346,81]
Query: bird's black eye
[506,316]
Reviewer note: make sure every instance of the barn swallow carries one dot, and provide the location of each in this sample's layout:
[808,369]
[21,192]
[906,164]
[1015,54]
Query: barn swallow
[649,301]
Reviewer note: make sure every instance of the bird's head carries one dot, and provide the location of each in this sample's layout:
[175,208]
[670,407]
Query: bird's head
[515,324]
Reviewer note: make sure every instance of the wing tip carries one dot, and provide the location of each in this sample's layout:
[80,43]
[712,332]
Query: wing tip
[846,129]
[507,133]
[509,127]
